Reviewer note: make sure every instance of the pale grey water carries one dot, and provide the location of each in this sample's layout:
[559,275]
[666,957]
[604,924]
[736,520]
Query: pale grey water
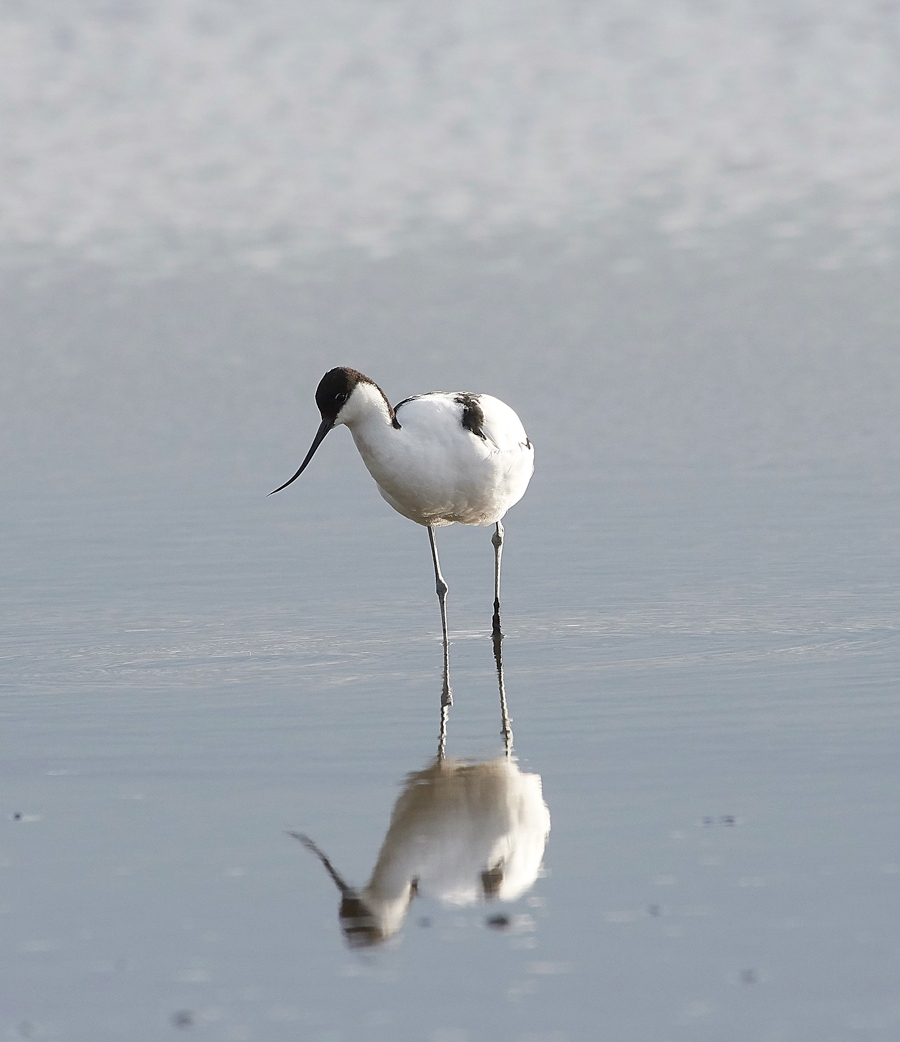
[704,675]
[666,237]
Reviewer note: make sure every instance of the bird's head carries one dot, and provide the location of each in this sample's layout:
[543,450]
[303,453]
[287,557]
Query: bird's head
[362,925]
[335,391]
[337,403]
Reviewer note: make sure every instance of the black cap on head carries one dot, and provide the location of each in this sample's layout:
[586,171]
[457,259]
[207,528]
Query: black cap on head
[360,926]
[335,388]
[358,922]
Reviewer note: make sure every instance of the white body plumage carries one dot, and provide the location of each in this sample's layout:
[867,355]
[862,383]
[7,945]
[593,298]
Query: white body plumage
[462,833]
[438,458]
[433,469]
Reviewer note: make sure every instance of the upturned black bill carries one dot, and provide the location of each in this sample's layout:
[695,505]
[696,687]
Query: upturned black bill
[324,428]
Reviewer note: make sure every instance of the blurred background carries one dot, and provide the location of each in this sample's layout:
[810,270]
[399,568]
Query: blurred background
[207,204]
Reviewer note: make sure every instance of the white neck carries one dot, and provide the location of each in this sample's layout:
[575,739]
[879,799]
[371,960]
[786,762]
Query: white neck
[365,408]
[368,416]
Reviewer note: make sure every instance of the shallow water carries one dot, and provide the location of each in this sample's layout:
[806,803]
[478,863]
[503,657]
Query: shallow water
[666,235]
[703,673]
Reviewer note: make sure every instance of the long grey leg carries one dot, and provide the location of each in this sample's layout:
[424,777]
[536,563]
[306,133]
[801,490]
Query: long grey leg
[497,540]
[441,588]
[506,729]
[505,718]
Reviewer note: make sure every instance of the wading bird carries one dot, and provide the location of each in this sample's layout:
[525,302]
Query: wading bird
[460,832]
[438,458]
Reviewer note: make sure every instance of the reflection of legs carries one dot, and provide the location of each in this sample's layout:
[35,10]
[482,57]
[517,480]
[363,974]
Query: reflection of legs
[497,540]
[442,736]
[441,588]
[506,729]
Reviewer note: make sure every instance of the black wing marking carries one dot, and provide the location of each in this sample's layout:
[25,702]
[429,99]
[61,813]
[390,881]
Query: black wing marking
[411,398]
[473,414]
[491,881]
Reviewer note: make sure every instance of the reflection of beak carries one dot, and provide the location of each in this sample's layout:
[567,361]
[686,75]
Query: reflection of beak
[361,928]
[346,891]
[324,427]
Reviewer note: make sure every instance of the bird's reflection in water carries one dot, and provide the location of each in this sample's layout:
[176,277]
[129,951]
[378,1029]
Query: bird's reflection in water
[460,832]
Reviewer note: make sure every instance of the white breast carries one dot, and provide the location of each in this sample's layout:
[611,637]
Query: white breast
[436,472]
[451,824]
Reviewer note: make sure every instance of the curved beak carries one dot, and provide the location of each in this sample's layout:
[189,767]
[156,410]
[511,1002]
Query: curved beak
[324,427]
[346,891]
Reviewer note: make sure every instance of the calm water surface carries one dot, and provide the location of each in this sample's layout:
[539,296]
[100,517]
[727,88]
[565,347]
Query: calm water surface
[666,234]
[701,668]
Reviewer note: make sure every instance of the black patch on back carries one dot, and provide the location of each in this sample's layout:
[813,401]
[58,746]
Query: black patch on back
[337,385]
[473,415]
[411,398]
[491,881]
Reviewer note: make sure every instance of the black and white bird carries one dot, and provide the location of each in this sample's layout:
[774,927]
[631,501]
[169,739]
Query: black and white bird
[460,832]
[438,458]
